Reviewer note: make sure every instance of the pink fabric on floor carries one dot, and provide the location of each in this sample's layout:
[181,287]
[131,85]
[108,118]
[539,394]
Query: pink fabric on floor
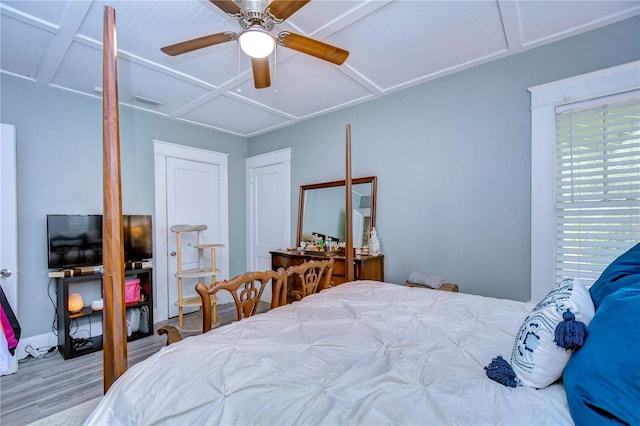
[12,342]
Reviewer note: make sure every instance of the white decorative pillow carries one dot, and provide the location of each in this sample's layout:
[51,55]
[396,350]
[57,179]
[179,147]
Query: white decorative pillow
[546,339]
[536,359]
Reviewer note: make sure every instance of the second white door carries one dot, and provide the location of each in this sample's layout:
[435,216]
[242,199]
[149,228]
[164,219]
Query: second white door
[192,189]
[268,206]
[192,194]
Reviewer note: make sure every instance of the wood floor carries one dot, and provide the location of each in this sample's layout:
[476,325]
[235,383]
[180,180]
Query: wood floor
[49,384]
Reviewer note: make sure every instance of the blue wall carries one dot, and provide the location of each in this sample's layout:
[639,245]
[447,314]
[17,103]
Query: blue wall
[453,160]
[59,170]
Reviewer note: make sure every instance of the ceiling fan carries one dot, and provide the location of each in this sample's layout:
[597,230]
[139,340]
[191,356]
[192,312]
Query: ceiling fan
[257,18]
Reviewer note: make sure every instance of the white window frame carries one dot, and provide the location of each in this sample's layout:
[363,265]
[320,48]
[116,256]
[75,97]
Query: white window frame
[545,99]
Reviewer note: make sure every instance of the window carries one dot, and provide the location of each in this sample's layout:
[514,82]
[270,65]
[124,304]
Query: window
[597,184]
[585,177]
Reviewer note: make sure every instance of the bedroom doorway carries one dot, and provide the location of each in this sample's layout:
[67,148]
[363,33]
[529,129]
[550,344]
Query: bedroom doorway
[191,187]
[268,188]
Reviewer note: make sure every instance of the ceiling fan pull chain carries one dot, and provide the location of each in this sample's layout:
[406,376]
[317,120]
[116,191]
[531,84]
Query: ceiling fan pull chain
[275,71]
[239,89]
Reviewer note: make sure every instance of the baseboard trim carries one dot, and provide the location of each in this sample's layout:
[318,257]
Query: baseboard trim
[45,340]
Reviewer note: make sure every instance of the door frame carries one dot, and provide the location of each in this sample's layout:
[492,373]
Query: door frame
[283,157]
[161,151]
[9,226]
[9,217]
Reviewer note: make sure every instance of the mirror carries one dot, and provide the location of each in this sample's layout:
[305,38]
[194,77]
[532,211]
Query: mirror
[321,210]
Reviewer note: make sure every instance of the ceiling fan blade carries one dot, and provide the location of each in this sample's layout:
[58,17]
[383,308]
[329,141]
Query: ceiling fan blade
[227,6]
[282,9]
[261,76]
[313,47]
[198,43]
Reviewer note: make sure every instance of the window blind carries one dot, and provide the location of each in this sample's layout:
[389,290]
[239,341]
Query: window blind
[597,185]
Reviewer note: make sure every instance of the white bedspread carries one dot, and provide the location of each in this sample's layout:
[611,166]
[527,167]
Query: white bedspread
[365,353]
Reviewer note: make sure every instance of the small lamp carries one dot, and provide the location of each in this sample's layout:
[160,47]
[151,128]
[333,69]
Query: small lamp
[75,302]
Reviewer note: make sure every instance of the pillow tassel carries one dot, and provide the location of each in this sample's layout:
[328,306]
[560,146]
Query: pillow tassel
[570,334]
[500,371]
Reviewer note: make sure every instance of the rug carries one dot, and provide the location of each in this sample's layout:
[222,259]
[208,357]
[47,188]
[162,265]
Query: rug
[73,416]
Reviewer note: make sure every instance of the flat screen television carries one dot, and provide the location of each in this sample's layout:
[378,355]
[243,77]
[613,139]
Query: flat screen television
[76,240]
[138,244]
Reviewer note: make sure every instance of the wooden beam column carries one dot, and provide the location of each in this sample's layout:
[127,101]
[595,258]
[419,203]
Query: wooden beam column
[114,328]
[348,255]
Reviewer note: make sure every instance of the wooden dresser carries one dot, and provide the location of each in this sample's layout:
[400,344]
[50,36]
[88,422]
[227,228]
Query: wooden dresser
[366,267]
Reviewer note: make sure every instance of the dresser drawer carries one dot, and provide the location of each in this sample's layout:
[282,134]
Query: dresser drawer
[282,261]
[338,279]
[338,268]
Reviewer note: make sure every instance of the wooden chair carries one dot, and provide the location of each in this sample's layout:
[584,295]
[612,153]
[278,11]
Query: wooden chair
[310,277]
[246,295]
[246,290]
[173,334]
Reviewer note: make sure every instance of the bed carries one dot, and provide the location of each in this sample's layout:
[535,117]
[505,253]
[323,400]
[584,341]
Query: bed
[364,352]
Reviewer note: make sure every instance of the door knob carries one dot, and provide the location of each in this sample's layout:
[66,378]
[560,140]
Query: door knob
[173,253]
[5,273]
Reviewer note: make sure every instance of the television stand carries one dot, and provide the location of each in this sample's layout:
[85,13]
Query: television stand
[70,346]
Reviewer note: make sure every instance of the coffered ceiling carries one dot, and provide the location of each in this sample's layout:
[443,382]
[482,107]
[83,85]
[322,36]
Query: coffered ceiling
[393,45]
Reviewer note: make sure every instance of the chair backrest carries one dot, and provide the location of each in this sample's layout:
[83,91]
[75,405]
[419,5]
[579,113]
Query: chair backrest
[311,277]
[246,290]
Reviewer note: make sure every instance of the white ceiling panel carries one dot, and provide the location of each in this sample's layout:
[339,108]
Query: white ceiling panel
[134,80]
[316,16]
[392,44]
[169,22]
[49,12]
[81,70]
[450,35]
[222,110]
[23,47]
[302,85]
[547,20]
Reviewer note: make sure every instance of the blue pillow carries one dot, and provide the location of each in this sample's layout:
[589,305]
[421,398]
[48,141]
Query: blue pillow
[622,272]
[602,378]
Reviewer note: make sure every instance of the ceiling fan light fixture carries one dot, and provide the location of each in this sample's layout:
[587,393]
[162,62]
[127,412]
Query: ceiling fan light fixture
[257,42]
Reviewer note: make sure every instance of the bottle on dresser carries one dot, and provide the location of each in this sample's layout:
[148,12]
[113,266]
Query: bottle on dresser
[374,243]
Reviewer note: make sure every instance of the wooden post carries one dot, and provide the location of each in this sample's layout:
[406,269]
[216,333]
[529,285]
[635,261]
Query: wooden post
[114,330]
[349,212]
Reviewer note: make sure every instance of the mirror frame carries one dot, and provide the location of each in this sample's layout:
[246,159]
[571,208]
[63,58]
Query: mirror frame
[373,180]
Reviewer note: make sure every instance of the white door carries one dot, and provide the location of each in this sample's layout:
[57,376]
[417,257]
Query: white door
[8,227]
[191,189]
[268,206]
